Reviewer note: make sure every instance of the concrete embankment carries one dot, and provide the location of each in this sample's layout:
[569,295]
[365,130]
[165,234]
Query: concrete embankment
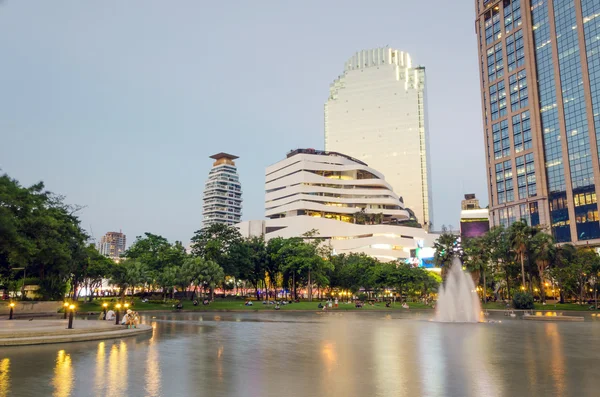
[38,332]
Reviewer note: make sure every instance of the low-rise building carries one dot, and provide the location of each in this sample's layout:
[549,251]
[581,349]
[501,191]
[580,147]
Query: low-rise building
[349,204]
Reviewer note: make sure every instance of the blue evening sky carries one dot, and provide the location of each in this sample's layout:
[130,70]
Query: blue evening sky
[118,104]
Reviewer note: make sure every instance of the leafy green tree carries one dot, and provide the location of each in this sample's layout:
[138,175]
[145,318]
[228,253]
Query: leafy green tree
[211,275]
[251,260]
[152,250]
[128,274]
[215,243]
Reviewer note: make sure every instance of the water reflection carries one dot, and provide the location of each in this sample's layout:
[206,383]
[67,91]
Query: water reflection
[153,374]
[4,377]
[117,369]
[306,354]
[557,365]
[100,367]
[63,375]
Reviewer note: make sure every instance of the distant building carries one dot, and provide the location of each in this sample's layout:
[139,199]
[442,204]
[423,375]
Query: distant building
[474,220]
[222,192]
[112,244]
[350,204]
[376,112]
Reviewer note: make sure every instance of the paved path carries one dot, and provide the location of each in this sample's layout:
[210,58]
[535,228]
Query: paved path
[25,332]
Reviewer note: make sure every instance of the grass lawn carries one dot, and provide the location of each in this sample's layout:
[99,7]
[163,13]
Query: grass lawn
[238,305]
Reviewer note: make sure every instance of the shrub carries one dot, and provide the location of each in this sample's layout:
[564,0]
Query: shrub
[523,300]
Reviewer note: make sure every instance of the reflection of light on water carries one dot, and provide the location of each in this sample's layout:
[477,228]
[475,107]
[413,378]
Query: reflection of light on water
[220,362]
[117,369]
[63,375]
[100,364]
[478,363]
[431,360]
[153,368]
[557,365]
[391,371]
[329,355]
[4,377]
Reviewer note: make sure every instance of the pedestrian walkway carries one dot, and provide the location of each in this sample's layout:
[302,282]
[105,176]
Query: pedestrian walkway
[36,332]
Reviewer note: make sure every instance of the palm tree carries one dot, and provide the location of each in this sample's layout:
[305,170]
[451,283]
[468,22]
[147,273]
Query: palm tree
[477,259]
[544,251]
[520,236]
[445,250]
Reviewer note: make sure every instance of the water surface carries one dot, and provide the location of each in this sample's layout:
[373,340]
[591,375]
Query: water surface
[316,354]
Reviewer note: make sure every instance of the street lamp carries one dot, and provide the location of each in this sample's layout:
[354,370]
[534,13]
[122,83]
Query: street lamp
[72,310]
[12,307]
[65,307]
[126,306]
[118,306]
[104,305]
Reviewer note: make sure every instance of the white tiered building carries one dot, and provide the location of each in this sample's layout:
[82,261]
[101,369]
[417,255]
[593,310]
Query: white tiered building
[351,206]
[376,112]
[222,192]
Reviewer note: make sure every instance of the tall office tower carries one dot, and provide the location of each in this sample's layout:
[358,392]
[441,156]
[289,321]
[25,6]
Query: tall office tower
[112,244]
[376,113]
[222,192]
[540,83]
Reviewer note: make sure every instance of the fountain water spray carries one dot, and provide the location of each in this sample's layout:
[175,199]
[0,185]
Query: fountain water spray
[458,301]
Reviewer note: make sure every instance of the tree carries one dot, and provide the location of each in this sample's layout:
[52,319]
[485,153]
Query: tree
[251,259]
[476,261]
[211,275]
[214,243]
[520,236]
[128,274]
[544,251]
[446,248]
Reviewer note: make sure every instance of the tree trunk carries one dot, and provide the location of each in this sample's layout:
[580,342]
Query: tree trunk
[523,269]
[212,293]
[294,286]
[484,289]
[309,287]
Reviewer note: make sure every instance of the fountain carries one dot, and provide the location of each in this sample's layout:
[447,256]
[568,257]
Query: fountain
[458,301]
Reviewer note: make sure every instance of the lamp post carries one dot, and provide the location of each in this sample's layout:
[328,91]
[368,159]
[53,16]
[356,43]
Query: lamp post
[65,307]
[104,305]
[12,307]
[71,311]
[118,306]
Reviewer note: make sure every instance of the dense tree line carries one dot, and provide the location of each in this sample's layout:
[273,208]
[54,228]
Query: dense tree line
[519,258]
[42,243]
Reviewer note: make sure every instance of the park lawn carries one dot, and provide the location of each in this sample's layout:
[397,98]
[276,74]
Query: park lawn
[238,305]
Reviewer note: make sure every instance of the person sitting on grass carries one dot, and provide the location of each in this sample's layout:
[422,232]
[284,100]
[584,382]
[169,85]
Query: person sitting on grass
[205,302]
[110,315]
[195,302]
[320,305]
[179,306]
[277,307]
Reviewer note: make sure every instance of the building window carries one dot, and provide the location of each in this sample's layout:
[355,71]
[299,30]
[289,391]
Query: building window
[519,97]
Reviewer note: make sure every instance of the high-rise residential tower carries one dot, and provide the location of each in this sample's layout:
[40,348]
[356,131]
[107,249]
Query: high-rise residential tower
[112,244]
[376,113]
[222,192]
[540,83]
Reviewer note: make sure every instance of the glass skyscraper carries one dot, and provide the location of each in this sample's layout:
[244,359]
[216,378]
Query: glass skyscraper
[540,84]
[376,113]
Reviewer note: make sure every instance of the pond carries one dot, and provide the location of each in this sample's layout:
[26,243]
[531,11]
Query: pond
[316,354]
